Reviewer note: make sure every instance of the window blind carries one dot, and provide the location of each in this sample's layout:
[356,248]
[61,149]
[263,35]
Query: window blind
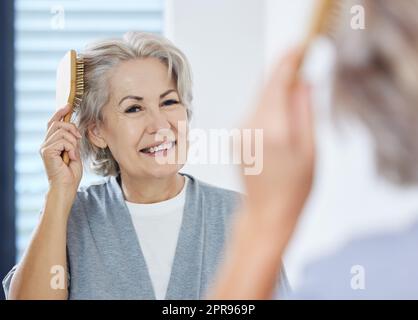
[45,30]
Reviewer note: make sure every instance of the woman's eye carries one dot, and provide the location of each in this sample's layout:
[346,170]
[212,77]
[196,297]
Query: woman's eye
[170,102]
[133,109]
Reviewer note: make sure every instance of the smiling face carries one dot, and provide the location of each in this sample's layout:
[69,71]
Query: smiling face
[143,104]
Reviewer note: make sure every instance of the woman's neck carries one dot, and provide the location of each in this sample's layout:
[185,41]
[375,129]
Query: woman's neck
[151,190]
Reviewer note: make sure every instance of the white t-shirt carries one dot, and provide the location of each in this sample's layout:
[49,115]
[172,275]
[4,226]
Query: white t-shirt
[157,226]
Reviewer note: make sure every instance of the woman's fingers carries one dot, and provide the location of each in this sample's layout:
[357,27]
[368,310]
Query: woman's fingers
[275,105]
[62,134]
[56,148]
[286,77]
[283,110]
[57,125]
[283,78]
[301,118]
[306,119]
[59,114]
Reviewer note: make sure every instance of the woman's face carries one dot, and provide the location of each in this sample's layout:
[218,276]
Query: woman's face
[144,103]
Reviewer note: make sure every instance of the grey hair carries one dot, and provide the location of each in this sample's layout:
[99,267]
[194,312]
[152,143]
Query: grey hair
[376,80]
[99,59]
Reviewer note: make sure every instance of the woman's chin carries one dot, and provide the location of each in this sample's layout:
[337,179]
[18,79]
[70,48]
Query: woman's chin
[161,164]
[161,171]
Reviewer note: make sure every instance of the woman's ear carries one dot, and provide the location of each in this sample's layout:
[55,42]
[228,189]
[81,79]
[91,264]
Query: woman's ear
[95,136]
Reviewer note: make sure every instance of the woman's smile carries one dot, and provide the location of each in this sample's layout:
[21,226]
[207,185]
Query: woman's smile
[159,150]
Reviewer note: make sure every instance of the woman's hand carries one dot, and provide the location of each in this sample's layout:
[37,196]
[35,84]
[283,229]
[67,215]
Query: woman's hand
[277,195]
[62,136]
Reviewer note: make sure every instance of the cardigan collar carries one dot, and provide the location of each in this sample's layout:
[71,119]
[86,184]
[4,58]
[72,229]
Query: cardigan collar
[186,273]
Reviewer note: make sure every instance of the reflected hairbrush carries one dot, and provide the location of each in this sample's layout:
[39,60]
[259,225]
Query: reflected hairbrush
[324,19]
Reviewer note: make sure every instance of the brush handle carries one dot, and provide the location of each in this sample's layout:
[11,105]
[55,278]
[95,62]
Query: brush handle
[65,156]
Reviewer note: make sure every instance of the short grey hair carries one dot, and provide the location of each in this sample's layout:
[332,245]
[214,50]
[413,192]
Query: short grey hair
[99,59]
[376,80]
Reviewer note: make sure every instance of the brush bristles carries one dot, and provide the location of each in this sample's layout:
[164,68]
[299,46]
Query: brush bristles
[333,17]
[326,16]
[79,83]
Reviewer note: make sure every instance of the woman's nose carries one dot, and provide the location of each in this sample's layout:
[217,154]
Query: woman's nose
[157,121]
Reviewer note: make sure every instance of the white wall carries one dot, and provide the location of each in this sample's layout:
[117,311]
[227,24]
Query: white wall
[284,24]
[224,43]
[230,43]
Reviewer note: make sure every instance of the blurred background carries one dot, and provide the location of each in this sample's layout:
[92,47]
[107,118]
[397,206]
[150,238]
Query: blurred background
[230,44]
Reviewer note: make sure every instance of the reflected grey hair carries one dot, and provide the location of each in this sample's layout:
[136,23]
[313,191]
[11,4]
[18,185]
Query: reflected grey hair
[99,59]
[376,81]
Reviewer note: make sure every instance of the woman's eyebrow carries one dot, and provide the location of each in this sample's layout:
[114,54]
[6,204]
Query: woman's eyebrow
[141,98]
[131,97]
[167,92]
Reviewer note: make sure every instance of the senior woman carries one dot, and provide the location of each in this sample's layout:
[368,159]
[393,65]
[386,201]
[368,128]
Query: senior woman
[148,231]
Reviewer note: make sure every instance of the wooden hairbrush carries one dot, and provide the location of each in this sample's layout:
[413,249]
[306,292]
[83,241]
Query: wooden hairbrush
[69,86]
[324,17]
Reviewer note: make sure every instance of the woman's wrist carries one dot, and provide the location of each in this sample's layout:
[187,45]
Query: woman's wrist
[270,222]
[267,240]
[59,199]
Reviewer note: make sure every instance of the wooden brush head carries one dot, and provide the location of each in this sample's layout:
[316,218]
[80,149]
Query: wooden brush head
[69,85]
[323,19]
[66,80]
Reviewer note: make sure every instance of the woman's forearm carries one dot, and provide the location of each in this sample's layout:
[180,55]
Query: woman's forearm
[42,272]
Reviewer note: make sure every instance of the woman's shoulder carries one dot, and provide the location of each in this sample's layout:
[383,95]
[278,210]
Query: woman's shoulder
[93,189]
[215,195]
[93,196]
[211,188]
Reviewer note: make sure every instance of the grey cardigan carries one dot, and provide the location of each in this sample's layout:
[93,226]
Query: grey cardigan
[104,255]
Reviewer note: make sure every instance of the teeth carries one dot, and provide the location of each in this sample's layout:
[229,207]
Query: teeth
[163,146]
